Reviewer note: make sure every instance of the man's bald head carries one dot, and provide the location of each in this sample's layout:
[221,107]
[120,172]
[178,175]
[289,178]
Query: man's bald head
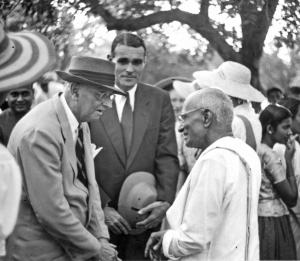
[215,101]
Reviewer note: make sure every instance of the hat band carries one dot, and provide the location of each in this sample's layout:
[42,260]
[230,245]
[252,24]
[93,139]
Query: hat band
[98,77]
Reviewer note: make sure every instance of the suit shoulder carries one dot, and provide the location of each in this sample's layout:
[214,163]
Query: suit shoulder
[154,90]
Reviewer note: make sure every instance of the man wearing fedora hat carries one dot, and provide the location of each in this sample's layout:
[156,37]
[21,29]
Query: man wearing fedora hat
[25,56]
[60,212]
[137,134]
[234,79]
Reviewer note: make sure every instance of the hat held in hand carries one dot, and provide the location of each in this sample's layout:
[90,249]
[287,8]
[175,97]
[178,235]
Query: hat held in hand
[138,191]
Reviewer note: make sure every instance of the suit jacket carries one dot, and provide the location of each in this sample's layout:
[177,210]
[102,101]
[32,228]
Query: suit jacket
[153,148]
[59,218]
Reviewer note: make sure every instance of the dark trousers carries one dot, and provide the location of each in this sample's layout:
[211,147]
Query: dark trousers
[131,247]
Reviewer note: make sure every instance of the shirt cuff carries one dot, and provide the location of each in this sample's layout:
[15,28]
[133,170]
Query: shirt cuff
[166,243]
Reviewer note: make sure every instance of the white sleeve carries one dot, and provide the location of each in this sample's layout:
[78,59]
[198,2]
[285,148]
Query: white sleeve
[10,192]
[201,214]
[238,128]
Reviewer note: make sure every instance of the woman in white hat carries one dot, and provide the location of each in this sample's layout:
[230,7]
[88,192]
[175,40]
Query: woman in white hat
[234,79]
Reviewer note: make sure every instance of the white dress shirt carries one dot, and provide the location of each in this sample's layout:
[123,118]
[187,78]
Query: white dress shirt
[208,218]
[121,99]
[238,127]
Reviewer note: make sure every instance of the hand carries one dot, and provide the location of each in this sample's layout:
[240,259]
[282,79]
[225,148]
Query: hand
[290,148]
[115,222]
[156,210]
[154,245]
[107,251]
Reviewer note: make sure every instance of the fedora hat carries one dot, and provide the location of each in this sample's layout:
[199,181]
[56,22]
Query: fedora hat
[138,191]
[93,71]
[184,89]
[233,79]
[24,58]
[167,83]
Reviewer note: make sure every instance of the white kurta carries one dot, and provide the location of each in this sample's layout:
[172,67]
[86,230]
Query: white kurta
[208,218]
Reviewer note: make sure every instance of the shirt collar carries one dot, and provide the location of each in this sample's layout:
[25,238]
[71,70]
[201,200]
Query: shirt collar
[70,116]
[131,94]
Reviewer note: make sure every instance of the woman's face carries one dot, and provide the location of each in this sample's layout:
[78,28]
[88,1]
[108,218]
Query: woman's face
[296,122]
[283,131]
[177,102]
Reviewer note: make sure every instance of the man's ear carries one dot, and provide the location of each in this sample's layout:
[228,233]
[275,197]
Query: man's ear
[75,90]
[207,118]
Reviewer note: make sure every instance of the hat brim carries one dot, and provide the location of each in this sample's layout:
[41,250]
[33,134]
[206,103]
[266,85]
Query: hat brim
[231,88]
[74,78]
[124,204]
[184,89]
[167,81]
[27,57]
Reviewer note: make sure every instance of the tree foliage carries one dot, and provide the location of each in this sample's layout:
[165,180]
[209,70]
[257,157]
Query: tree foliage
[242,42]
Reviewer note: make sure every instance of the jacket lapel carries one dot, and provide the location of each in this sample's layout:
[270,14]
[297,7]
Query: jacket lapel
[111,124]
[66,132]
[68,137]
[140,121]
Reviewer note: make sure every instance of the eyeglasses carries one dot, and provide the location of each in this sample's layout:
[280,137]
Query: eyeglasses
[104,95]
[126,61]
[183,116]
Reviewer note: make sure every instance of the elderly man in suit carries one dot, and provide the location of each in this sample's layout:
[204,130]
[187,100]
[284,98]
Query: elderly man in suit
[137,134]
[60,212]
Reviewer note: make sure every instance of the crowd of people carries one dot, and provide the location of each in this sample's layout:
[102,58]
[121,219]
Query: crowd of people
[110,168]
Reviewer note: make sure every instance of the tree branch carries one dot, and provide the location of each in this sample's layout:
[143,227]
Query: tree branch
[199,22]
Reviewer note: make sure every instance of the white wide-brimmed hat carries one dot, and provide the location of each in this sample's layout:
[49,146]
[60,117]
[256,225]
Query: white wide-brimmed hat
[24,58]
[233,79]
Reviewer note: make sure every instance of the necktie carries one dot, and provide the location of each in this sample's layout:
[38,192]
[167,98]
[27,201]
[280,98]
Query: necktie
[126,124]
[80,158]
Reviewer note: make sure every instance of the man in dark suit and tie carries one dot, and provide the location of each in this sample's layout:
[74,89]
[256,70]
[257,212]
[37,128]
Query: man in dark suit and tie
[137,134]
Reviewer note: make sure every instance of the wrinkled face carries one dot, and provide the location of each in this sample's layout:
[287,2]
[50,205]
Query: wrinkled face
[177,101]
[92,102]
[20,100]
[130,63]
[296,122]
[283,131]
[192,127]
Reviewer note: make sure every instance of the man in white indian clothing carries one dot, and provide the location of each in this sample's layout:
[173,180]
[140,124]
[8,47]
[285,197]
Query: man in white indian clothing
[214,216]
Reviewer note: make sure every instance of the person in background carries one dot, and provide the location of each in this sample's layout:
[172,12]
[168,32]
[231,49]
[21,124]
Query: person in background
[214,216]
[137,134]
[179,88]
[17,71]
[46,87]
[294,106]
[278,190]
[234,79]
[274,95]
[19,102]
